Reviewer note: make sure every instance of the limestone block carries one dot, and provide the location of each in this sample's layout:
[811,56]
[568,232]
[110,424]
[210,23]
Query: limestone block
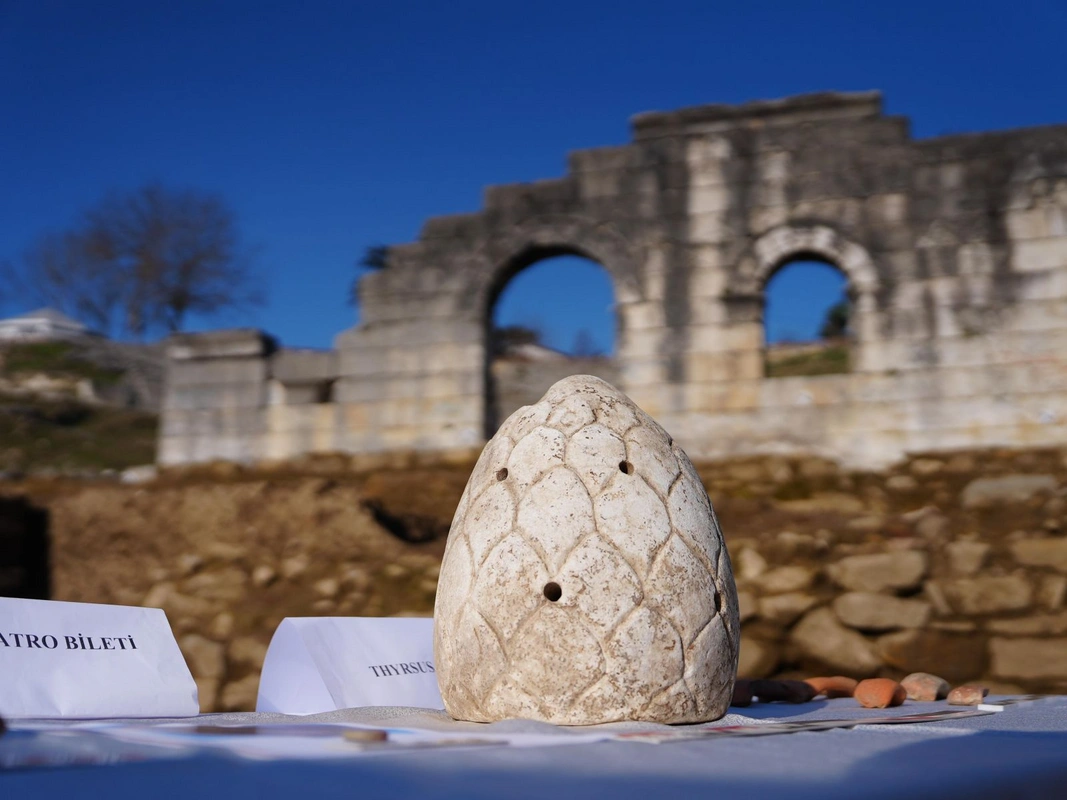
[642,316]
[207,690]
[227,585]
[890,209]
[824,502]
[231,343]
[902,483]
[708,228]
[1038,625]
[585,578]
[599,184]
[881,571]
[989,594]
[362,362]
[783,609]
[763,218]
[206,658]
[820,636]
[216,372]
[642,374]
[222,626]
[879,612]
[241,695]
[954,656]
[709,280]
[644,343]
[299,394]
[758,659]
[1041,553]
[966,558]
[247,651]
[985,492]
[747,605]
[238,396]
[180,605]
[750,564]
[786,579]
[1029,659]
[1052,591]
[1036,255]
[709,200]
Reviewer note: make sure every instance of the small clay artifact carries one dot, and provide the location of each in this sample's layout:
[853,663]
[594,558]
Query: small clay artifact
[924,687]
[879,693]
[585,578]
[782,691]
[742,693]
[969,694]
[837,686]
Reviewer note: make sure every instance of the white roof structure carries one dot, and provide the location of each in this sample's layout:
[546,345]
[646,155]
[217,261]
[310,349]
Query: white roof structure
[41,325]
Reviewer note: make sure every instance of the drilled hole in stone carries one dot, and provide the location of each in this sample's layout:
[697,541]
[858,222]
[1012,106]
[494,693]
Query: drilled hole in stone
[553,591]
[718,603]
[626,468]
[502,474]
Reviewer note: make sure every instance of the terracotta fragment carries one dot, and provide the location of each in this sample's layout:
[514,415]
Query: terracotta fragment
[924,687]
[837,686]
[585,578]
[969,694]
[879,693]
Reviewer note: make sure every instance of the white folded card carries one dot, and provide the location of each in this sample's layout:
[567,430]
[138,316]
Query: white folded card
[317,664]
[81,660]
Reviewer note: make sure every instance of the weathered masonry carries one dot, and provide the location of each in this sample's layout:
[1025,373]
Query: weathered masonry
[954,248]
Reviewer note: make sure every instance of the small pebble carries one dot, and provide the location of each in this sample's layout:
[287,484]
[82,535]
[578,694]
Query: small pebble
[879,693]
[837,686]
[967,695]
[924,687]
[358,735]
[784,691]
[742,693]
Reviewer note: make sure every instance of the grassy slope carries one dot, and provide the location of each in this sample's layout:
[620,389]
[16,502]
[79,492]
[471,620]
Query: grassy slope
[66,434]
[829,360]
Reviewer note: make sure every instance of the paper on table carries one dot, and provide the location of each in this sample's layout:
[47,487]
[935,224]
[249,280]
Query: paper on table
[82,660]
[328,740]
[317,664]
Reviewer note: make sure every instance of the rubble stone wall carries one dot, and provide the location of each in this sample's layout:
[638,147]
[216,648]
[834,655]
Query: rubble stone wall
[951,563]
[954,565]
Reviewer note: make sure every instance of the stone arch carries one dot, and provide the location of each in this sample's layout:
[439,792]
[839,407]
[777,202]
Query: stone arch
[771,250]
[780,245]
[512,250]
[515,249]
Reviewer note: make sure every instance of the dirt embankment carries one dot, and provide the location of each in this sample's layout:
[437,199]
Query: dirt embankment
[969,576]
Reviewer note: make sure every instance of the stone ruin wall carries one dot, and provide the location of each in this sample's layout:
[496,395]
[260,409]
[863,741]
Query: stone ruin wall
[955,251]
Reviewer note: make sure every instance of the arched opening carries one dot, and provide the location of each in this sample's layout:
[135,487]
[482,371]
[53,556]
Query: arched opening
[551,314]
[807,319]
[24,550]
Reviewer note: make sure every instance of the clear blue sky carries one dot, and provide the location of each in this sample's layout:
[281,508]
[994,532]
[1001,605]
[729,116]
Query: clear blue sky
[331,126]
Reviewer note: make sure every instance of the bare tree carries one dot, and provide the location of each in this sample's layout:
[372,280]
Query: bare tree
[142,261]
[64,270]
